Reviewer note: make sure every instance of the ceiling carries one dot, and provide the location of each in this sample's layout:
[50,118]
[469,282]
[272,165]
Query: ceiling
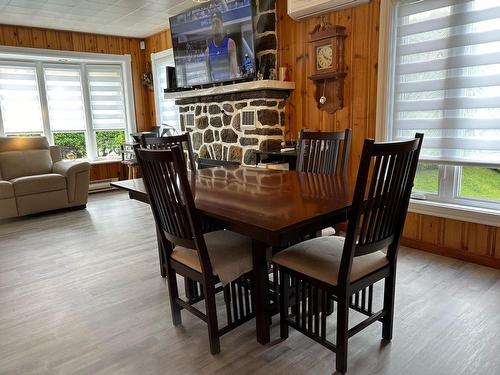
[132,18]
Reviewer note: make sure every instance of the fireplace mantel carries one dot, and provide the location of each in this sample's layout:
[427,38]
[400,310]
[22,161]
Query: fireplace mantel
[233,121]
[236,91]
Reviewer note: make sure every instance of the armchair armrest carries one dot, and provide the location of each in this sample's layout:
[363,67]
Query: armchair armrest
[67,168]
[77,175]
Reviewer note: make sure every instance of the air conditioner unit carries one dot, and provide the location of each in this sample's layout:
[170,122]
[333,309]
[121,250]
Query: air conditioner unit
[300,9]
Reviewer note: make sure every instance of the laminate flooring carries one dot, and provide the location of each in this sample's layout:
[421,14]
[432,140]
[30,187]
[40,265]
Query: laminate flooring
[80,293]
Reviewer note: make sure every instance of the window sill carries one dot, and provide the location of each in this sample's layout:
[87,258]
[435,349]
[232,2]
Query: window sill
[456,212]
[94,162]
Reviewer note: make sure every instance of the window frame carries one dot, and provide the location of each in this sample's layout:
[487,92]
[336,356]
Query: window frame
[447,202]
[39,58]
[158,58]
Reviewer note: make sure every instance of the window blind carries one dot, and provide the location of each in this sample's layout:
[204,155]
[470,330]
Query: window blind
[168,109]
[447,78]
[168,112]
[107,102]
[19,100]
[65,98]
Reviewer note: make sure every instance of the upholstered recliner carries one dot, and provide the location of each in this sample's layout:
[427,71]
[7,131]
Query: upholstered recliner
[34,179]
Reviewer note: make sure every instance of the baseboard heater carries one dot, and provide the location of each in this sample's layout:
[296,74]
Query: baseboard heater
[101,185]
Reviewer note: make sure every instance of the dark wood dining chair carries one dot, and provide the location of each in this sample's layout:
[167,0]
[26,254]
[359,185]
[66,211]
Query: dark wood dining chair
[220,261]
[324,152]
[162,143]
[316,273]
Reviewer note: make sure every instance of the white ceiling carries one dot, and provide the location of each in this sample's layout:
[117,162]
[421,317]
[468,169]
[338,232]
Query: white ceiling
[133,18]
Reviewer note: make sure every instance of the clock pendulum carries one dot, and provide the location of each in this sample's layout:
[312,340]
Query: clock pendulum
[322,100]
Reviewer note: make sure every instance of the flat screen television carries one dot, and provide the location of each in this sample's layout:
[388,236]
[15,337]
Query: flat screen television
[214,42]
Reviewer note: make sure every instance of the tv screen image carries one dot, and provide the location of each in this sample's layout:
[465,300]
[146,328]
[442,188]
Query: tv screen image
[213,43]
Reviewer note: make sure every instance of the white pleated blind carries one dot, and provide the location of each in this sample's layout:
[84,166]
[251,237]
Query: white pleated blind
[107,99]
[65,98]
[19,100]
[447,79]
[168,110]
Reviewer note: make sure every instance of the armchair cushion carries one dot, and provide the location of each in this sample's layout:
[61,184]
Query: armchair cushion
[15,164]
[44,183]
[6,190]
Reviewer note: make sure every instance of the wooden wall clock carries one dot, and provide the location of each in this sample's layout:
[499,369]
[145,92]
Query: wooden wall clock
[328,71]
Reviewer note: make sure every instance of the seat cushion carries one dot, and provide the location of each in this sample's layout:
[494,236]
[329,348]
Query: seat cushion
[6,190]
[320,259]
[38,184]
[230,254]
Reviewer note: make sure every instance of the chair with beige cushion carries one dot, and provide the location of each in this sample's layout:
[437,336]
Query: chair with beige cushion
[315,274]
[34,179]
[218,261]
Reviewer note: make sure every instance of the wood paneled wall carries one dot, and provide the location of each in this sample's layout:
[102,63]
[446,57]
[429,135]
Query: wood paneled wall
[361,56]
[19,36]
[468,241]
[472,242]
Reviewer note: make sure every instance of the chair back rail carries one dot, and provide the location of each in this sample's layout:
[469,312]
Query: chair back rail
[381,198]
[163,143]
[324,152]
[172,203]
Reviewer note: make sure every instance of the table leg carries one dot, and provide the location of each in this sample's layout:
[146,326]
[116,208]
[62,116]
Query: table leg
[261,289]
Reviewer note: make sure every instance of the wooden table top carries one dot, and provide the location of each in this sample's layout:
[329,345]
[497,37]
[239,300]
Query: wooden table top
[266,200]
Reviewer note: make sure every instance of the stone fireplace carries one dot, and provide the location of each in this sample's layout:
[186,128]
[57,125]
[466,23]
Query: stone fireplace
[232,122]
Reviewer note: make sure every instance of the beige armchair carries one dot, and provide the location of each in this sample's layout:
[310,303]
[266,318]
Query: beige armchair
[34,179]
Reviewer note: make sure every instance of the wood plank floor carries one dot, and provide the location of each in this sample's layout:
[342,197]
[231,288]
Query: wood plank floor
[80,293]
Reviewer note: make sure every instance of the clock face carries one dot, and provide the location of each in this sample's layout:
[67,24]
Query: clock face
[324,57]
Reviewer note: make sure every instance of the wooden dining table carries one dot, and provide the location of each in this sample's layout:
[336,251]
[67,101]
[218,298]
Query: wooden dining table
[272,207]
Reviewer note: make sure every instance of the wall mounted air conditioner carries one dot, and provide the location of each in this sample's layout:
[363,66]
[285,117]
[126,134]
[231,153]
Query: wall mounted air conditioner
[300,9]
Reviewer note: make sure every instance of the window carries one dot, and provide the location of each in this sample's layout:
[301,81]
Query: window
[81,104]
[19,100]
[446,84]
[166,110]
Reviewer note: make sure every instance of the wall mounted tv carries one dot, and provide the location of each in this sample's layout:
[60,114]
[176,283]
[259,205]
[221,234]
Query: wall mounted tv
[214,43]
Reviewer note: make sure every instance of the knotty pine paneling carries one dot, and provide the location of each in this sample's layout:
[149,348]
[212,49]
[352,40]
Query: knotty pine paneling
[459,239]
[20,36]
[102,171]
[361,56]
[468,241]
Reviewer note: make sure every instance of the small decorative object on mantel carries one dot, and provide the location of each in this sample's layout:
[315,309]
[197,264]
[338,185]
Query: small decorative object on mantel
[328,72]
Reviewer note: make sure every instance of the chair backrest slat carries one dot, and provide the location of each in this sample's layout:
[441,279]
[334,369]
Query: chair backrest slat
[324,152]
[380,201]
[166,180]
[163,143]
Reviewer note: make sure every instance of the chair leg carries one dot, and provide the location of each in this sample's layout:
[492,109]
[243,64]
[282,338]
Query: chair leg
[191,289]
[174,294]
[389,291]
[342,333]
[211,310]
[283,301]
